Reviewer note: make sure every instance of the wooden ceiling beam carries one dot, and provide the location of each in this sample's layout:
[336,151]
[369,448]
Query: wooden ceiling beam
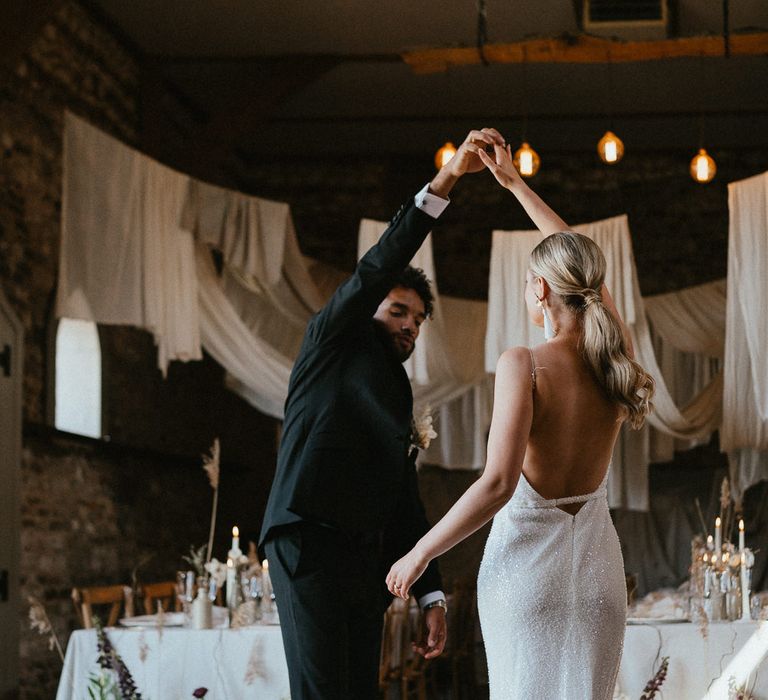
[587,49]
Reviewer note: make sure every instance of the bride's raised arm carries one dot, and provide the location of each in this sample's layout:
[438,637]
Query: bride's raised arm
[543,217]
[507,442]
[505,172]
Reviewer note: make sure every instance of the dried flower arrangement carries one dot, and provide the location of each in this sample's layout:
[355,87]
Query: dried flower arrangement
[199,557]
[211,465]
[196,559]
[41,623]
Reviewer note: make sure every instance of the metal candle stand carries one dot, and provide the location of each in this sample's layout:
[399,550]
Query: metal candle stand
[720,582]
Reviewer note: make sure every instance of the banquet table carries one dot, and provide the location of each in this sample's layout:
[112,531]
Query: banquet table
[172,662]
[703,661]
[249,662]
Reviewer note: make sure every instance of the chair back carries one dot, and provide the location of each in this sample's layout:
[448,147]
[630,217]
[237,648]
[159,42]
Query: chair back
[117,599]
[462,630]
[163,593]
[412,665]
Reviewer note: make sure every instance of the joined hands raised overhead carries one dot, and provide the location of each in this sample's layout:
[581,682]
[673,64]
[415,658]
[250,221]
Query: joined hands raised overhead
[466,160]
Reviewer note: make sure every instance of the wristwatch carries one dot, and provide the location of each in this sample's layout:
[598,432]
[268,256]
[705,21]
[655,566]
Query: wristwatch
[440,603]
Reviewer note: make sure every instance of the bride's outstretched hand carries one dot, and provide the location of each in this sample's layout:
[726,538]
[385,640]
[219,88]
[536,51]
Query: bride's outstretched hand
[501,166]
[404,573]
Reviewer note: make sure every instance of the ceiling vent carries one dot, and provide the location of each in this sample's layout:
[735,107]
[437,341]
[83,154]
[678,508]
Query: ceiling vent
[627,19]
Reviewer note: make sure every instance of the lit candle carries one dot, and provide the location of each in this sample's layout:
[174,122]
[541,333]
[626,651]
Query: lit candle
[266,584]
[710,543]
[718,535]
[741,536]
[746,614]
[231,583]
[235,552]
[706,558]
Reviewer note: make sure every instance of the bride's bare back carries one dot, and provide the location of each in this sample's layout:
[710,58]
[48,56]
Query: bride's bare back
[574,425]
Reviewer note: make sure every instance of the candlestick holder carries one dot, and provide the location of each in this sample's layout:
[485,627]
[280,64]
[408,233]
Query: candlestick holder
[235,571]
[746,562]
[720,573]
[185,593]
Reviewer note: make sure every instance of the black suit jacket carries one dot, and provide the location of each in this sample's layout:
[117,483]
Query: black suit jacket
[344,456]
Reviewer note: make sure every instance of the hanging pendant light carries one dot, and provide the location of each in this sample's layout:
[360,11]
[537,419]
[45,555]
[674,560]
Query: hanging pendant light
[526,160]
[703,167]
[610,148]
[444,154]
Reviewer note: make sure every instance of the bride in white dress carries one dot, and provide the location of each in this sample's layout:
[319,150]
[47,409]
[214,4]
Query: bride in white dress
[551,592]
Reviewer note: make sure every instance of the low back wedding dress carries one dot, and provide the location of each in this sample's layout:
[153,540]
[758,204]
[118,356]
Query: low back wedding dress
[552,598]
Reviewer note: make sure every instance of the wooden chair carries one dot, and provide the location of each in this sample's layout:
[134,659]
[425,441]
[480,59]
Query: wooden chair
[388,671]
[163,593]
[413,666]
[399,666]
[118,598]
[461,638]
[413,680]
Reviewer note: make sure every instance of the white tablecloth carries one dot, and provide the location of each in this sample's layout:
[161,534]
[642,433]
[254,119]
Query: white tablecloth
[699,667]
[248,662]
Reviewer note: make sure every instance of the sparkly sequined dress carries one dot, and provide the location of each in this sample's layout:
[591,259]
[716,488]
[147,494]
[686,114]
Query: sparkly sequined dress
[552,598]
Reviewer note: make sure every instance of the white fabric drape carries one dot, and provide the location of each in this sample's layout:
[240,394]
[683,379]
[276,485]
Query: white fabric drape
[745,397]
[462,423]
[688,333]
[135,250]
[258,245]
[260,373]
[100,260]
[265,282]
[692,319]
[124,258]
[170,280]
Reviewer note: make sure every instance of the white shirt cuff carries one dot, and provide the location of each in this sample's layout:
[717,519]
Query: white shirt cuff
[431,597]
[430,203]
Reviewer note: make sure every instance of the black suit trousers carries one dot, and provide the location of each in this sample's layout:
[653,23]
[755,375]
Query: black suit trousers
[330,593]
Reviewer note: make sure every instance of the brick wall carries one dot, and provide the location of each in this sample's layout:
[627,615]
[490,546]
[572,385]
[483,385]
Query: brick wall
[70,64]
[92,510]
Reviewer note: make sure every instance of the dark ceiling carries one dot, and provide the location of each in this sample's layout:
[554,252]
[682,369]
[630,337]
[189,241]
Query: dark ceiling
[265,78]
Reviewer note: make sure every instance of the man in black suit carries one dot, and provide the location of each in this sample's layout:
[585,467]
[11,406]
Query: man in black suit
[344,504]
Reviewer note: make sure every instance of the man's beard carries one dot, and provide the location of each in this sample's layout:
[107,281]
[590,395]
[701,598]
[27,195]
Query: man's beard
[402,350]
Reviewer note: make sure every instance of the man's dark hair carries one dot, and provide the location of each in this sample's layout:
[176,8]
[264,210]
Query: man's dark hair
[415,279]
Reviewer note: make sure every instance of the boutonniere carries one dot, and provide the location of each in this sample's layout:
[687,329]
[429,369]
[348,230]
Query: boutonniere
[422,432]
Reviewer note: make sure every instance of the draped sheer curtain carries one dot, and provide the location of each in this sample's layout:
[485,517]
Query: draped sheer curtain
[136,250]
[744,432]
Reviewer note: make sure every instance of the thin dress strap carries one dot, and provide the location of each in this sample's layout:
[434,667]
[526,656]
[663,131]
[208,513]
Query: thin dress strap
[533,370]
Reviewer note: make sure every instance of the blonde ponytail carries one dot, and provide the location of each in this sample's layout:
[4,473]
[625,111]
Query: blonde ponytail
[574,267]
